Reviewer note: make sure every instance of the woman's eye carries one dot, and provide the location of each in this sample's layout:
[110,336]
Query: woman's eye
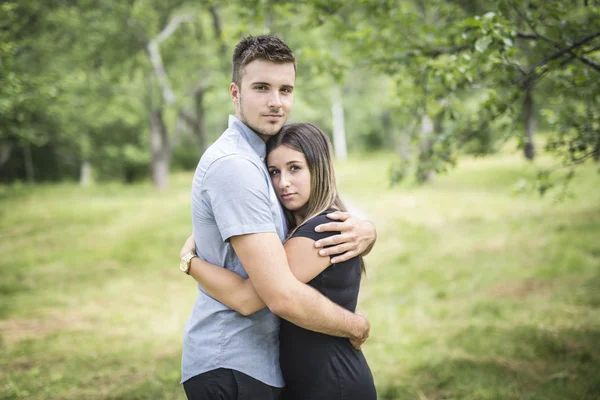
[274,172]
[295,168]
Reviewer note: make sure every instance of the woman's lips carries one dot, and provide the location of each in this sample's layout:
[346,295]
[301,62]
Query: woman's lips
[287,196]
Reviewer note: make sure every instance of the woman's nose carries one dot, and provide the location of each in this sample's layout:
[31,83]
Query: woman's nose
[283,181]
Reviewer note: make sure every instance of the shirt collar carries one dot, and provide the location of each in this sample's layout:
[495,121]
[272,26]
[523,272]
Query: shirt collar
[251,137]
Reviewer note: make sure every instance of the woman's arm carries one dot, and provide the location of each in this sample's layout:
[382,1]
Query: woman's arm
[238,293]
[226,286]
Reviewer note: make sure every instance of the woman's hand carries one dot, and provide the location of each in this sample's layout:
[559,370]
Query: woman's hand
[188,247]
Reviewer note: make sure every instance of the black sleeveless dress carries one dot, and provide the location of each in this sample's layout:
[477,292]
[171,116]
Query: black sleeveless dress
[319,366]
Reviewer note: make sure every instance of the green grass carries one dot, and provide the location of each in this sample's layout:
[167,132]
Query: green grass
[473,292]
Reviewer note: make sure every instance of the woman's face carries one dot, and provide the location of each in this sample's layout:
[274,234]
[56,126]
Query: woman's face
[291,178]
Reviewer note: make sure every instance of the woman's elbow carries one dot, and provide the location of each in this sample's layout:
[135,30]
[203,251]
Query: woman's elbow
[249,307]
[246,310]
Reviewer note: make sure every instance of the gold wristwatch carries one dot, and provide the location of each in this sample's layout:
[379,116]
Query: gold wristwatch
[186,262]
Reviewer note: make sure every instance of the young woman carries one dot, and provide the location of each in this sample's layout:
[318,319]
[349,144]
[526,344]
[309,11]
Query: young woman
[314,365]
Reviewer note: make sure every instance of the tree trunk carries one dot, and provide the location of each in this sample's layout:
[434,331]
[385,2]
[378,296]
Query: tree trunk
[424,172]
[85,174]
[161,151]
[388,127]
[529,148]
[339,131]
[29,172]
[200,124]
[5,152]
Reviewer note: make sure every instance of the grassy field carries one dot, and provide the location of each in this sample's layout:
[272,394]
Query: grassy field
[472,292]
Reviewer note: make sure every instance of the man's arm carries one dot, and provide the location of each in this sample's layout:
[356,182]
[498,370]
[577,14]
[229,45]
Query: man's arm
[239,294]
[239,195]
[264,259]
[357,237]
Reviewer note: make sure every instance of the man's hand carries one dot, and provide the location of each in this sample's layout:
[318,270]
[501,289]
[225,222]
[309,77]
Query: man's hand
[359,341]
[188,246]
[356,237]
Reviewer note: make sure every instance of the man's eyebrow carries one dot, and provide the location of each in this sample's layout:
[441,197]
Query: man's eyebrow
[268,84]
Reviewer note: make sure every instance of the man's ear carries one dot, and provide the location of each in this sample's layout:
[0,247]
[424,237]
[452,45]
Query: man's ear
[234,92]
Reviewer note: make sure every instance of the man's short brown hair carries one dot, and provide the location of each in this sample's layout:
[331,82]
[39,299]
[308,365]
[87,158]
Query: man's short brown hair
[264,47]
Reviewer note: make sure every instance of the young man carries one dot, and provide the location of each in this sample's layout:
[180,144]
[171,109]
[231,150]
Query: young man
[238,223]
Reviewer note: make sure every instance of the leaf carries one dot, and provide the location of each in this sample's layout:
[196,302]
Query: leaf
[471,23]
[483,43]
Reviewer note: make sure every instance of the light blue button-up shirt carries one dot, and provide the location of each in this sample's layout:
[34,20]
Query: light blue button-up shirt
[232,195]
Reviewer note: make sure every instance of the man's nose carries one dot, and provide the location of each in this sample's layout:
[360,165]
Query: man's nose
[274,100]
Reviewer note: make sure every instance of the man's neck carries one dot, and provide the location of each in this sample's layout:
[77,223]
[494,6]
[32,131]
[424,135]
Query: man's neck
[264,138]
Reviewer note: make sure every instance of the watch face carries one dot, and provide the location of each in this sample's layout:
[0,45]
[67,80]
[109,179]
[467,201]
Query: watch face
[183,265]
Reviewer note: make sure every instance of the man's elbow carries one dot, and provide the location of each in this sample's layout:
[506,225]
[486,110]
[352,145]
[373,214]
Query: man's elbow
[282,305]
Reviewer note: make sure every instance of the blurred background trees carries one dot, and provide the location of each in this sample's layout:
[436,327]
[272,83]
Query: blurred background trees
[128,90]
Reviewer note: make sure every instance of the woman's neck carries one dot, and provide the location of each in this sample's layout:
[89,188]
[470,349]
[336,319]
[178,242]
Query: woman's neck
[299,215]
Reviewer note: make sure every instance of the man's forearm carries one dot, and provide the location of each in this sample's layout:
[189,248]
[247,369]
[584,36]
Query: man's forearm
[309,309]
[265,260]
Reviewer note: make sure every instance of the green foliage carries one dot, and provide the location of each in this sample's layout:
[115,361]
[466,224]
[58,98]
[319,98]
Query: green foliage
[76,78]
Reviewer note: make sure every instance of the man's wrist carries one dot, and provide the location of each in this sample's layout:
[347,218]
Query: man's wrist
[185,262]
[361,327]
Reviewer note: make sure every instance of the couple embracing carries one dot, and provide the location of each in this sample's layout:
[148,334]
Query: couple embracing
[277,257]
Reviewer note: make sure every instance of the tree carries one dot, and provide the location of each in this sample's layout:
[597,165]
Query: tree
[500,52]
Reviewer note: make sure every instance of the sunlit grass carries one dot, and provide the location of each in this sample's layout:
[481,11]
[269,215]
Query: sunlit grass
[474,292]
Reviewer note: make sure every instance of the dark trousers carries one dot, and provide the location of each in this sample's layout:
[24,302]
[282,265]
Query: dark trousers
[228,384]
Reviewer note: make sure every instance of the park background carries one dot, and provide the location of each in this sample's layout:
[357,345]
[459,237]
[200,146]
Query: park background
[468,131]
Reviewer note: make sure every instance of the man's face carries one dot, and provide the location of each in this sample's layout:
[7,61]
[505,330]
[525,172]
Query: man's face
[265,98]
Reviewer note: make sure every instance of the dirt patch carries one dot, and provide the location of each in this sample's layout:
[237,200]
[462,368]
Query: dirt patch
[520,290]
[15,330]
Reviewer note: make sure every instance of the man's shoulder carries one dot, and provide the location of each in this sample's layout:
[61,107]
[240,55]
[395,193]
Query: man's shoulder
[229,149]
[234,164]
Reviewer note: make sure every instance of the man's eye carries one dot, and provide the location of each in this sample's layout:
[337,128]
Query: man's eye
[287,90]
[261,87]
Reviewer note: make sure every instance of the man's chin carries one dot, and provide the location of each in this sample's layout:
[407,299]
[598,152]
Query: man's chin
[270,130]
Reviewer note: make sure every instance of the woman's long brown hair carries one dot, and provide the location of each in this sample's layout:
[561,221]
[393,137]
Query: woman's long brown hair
[316,148]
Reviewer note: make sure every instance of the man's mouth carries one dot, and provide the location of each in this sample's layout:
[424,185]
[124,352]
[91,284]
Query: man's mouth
[273,117]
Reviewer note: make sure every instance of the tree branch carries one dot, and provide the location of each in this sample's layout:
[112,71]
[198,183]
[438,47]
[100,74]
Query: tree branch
[217,29]
[529,23]
[527,35]
[587,61]
[156,59]
[187,118]
[568,50]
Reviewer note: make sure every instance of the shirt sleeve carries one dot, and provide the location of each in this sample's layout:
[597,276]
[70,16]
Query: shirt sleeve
[239,195]
[308,229]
